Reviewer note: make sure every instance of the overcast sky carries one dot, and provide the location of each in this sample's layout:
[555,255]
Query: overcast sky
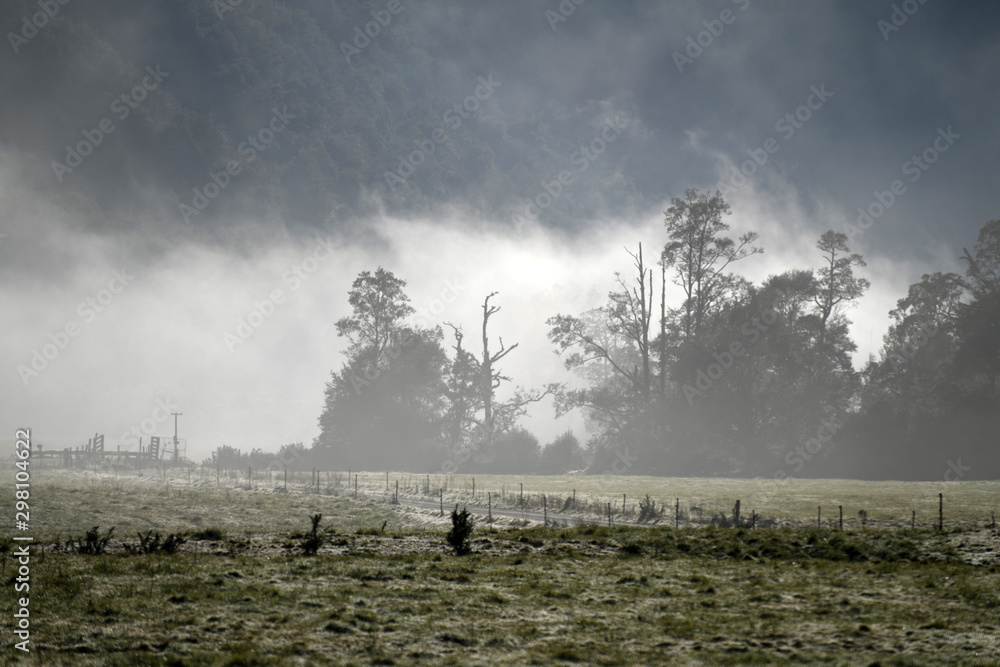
[837,99]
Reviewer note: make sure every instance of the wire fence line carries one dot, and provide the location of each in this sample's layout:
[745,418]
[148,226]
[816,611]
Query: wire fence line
[524,500]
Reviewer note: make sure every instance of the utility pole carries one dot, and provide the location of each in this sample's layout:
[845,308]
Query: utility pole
[176,415]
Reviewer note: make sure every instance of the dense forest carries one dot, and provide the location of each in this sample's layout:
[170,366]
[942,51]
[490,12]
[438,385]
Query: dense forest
[740,379]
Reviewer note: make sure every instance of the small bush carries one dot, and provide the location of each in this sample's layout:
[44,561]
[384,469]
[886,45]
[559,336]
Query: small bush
[648,511]
[151,544]
[311,544]
[461,530]
[92,544]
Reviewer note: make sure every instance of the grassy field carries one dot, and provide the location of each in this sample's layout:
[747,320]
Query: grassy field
[384,590]
[794,502]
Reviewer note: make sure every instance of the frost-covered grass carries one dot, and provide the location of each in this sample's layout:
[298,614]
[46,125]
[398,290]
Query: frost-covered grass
[539,596]
[379,591]
[887,504]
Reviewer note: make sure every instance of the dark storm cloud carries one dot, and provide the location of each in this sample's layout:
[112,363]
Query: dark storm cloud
[562,81]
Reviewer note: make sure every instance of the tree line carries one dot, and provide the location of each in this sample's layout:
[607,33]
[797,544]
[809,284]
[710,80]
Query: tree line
[741,378]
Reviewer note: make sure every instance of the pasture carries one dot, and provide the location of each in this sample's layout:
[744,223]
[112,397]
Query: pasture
[384,588]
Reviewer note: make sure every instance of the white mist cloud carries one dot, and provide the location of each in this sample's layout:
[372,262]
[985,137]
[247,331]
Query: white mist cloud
[172,335]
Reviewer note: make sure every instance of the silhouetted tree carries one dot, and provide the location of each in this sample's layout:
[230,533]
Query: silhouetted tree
[700,253]
[562,455]
[836,281]
[384,409]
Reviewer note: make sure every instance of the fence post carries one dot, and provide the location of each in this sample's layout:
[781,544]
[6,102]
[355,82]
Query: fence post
[623,504]
[489,499]
[753,519]
[609,514]
[520,499]
[395,497]
[545,508]
[677,514]
[940,511]
[819,514]
[442,502]
[841,507]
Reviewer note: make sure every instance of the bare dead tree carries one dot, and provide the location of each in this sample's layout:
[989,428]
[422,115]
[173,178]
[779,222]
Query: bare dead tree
[630,313]
[490,378]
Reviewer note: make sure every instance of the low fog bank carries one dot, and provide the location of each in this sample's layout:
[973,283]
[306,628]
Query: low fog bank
[235,329]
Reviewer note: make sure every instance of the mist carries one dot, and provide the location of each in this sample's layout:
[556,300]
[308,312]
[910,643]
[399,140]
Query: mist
[242,342]
[521,150]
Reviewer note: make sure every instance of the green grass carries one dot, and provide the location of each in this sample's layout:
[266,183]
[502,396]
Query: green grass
[547,605]
[240,592]
[64,503]
[888,503]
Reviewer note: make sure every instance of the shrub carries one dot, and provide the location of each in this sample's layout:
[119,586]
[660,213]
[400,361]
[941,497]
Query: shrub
[92,544]
[313,541]
[648,511]
[461,529]
[151,544]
